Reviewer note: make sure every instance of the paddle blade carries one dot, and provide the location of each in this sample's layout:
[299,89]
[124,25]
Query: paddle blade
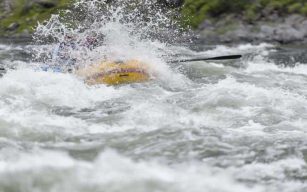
[226,57]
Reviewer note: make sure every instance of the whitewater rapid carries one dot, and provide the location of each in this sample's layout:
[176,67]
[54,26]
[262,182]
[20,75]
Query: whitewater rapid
[200,126]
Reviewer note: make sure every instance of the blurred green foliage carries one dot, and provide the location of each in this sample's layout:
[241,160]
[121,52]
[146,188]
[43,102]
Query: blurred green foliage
[195,11]
[25,14]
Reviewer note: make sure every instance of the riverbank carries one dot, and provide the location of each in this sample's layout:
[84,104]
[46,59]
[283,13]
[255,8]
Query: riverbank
[215,21]
[284,30]
[280,21]
[19,18]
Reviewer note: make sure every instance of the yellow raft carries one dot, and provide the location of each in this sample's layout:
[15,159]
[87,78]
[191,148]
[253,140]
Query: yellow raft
[115,72]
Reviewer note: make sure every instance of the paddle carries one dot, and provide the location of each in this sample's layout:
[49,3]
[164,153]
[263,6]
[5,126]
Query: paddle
[226,57]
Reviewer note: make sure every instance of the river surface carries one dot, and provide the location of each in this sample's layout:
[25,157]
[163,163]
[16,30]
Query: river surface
[200,126]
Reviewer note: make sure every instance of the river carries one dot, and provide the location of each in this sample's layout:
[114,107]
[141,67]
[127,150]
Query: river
[211,126]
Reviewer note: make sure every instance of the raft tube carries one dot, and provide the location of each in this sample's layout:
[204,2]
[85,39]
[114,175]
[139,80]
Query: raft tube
[115,72]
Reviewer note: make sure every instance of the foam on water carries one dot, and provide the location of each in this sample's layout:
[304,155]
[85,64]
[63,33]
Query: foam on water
[109,171]
[248,110]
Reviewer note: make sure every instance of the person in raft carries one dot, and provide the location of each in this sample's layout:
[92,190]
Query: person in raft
[61,54]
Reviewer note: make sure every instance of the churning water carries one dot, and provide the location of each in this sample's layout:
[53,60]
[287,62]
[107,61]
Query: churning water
[197,127]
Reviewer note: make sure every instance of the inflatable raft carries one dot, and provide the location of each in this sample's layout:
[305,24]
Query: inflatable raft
[115,72]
